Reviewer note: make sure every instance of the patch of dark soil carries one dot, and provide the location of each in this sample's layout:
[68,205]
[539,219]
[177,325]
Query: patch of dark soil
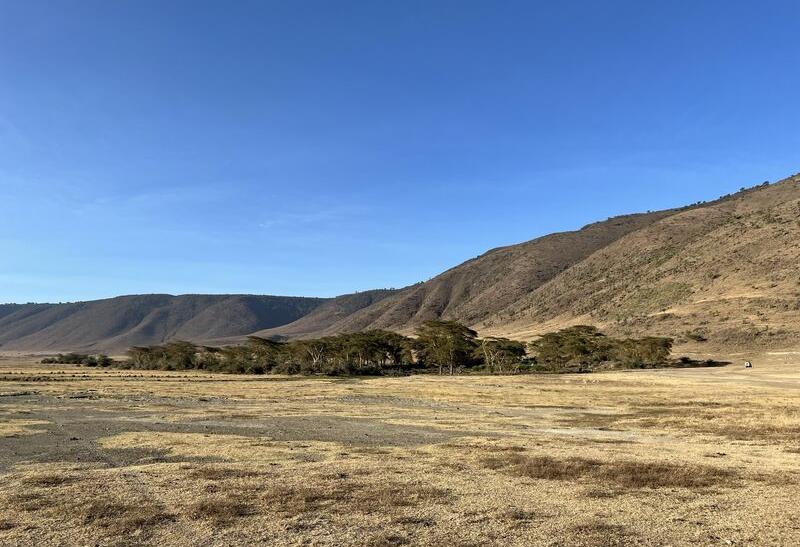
[350,431]
[75,425]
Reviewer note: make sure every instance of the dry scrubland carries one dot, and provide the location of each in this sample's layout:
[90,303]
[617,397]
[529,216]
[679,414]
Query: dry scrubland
[666,457]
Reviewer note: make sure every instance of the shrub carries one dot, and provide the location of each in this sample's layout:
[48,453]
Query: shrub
[696,336]
[79,359]
[582,348]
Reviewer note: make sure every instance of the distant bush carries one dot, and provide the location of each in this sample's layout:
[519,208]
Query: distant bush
[696,336]
[79,359]
[584,348]
[365,353]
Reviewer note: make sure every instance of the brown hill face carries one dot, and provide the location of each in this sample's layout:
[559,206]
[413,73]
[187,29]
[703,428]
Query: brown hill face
[484,286]
[728,272]
[115,324]
[329,314]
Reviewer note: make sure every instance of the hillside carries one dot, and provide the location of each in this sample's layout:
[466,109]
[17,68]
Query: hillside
[115,324]
[727,272]
[329,313]
[724,273]
[483,286]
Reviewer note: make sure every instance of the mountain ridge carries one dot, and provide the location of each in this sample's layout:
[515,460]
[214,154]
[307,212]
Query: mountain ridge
[678,272]
[112,324]
[544,292]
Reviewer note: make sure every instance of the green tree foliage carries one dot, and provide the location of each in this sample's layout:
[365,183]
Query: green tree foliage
[584,348]
[643,352]
[446,344]
[370,352]
[580,345]
[178,355]
[79,359]
[439,346]
[500,355]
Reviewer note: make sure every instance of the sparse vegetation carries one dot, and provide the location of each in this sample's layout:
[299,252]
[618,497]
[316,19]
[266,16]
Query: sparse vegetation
[439,346]
[47,481]
[446,344]
[366,353]
[541,467]
[625,474]
[583,348]
[79,359]
[696,336]
[222,510]
[221,473]
[348,496]
[430,460]
[121,518]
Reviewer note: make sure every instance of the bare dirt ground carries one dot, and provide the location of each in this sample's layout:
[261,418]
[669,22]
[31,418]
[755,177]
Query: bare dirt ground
[707,456]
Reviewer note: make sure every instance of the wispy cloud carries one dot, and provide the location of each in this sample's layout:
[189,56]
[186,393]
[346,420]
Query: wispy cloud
[310,217]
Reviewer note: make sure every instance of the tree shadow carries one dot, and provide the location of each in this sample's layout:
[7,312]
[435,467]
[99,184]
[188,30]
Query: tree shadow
[686,362]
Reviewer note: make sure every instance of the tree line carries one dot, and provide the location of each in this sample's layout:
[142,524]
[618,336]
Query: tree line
[79,359]
[443,347]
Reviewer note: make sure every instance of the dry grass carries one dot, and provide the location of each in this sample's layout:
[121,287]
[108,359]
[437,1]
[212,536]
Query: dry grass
[601,533]
[520,515]
[414,521]
[387,539]
[114,517]
[48,481]
[631,474]
[348,497]
[31,501]
[645,458]
[120,518]
[626,474]
[541,467]
[219,510]
[750,432]
[17,427]
[221,473]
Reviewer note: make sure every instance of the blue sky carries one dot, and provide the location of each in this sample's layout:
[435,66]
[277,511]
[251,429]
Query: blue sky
[317,148]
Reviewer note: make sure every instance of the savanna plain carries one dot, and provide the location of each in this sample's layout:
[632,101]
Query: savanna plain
[707,456]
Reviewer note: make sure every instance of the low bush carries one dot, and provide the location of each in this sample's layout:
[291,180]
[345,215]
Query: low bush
[79,359]
[584,348]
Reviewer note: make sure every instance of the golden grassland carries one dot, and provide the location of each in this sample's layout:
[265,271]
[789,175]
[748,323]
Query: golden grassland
[706,456]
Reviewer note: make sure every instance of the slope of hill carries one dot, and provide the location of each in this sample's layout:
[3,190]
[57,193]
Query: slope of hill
[329,313]
[727,272]
[485,285]
[117,323]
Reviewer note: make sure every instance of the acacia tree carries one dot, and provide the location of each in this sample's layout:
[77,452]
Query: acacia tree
[266,352]
[587,348]
[384,347]
[646,351]
[312,351]
[581,345]
[498,353]
[446,344]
